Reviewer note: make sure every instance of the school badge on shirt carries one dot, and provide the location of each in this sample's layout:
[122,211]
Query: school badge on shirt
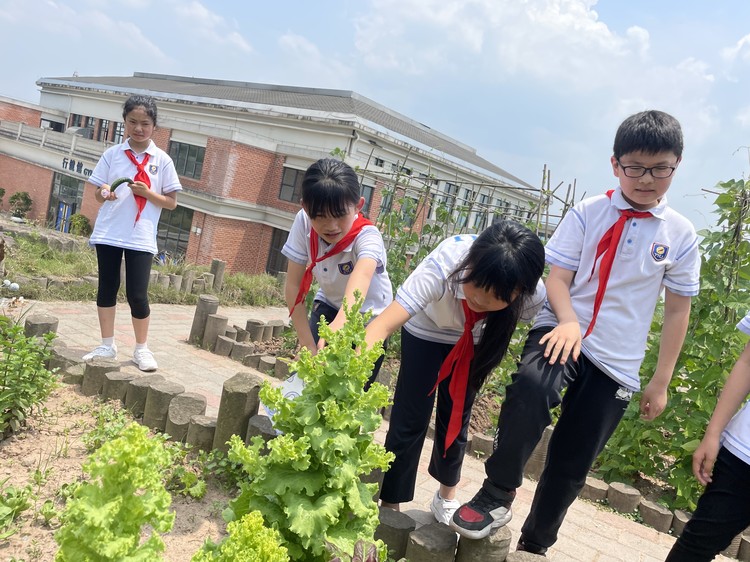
[152,169]
[659,251]
[346,268]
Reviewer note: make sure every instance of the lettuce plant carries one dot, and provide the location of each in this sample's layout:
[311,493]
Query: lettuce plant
[104,519]
[308,485]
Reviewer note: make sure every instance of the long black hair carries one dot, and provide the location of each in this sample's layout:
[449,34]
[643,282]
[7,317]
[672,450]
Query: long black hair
[329,187]
[507,259]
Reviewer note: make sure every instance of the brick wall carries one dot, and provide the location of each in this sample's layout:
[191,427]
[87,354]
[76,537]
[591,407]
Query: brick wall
[16,175]
[243,245]
[26,115]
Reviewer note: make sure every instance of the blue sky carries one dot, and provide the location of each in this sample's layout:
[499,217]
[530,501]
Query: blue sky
[525,82]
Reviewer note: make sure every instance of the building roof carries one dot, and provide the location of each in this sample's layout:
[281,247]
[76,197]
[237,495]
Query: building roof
[234,94]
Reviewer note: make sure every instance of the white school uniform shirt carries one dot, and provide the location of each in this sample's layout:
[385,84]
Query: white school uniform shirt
[654,252]
[437,314]
[736,436]
[333,273]
[115,224]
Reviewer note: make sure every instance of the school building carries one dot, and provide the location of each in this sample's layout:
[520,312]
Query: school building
[241,150]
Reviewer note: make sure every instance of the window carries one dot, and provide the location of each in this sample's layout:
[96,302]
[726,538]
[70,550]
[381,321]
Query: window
[119,133]
[188,159]
[277,261]
[173,233]
[367,191]
[103,135]
[291,185]
[76,120]
[448,199]
[379,162]
[480,217]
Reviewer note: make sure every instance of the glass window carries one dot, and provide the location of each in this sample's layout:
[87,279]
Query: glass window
[173,233]
[367,191]
[277,261]
[291,185]
[119,133]
[103,135]
[188,159]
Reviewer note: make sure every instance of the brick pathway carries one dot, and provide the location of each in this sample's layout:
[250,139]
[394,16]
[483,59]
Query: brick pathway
[589,533]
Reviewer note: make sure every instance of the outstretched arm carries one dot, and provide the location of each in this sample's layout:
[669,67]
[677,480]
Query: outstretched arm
[359,280]
[735,390]
[387,322]
[676,318]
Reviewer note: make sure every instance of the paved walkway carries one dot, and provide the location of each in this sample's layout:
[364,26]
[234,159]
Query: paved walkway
[589,534]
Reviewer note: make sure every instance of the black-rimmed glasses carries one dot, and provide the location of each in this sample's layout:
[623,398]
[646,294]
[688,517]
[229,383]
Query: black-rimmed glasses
[658,172]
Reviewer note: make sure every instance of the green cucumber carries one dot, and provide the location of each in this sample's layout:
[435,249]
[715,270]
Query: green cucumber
[118,182]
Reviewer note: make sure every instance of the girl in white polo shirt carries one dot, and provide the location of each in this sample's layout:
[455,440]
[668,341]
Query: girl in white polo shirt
[127,223]
[331,241]
[722,464]
[470,289]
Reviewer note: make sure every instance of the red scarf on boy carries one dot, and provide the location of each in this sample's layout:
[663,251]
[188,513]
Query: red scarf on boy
[607,249]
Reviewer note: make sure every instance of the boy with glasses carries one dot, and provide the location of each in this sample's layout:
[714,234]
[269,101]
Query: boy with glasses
[609,259]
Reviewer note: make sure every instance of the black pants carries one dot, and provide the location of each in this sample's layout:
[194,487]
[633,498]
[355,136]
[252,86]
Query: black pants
[591,409]
[410,419]
[321,309]
[723,512]
[137,271]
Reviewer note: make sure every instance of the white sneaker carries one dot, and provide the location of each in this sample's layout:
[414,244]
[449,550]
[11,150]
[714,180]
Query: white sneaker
[145,360]
[105,351]
[443,509]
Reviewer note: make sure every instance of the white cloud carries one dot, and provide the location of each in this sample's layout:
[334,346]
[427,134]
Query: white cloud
[312,67]
[743,117]
[544,39]
[741,50]
[210,26]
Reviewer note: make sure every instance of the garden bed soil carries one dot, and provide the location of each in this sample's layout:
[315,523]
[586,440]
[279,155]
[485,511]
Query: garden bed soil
[51,446]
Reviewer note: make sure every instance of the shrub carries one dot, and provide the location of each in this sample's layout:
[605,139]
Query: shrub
[24,380]
[20,204]
[80,225]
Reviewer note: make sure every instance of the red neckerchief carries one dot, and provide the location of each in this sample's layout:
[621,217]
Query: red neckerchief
[607,249]
[458,362]
[141,176]
[359,223]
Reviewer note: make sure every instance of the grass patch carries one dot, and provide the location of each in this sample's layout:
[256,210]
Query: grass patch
[30,257]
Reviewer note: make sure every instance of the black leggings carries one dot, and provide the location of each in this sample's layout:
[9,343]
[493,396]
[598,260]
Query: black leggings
[137,272]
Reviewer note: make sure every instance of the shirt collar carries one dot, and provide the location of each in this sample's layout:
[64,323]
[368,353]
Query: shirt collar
[618,202]
[151,150]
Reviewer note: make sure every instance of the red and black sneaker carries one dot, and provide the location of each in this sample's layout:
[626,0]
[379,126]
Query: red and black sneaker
[486,512]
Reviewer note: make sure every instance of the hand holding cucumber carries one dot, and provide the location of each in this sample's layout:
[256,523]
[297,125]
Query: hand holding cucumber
[108,191]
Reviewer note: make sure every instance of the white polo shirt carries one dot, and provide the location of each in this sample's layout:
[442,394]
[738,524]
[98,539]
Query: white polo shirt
[654,252]
[736,436]
[333,273]
[435,304]
[115,224]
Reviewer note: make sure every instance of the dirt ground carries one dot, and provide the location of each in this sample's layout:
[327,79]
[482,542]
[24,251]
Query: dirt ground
[51,447]
[49,452]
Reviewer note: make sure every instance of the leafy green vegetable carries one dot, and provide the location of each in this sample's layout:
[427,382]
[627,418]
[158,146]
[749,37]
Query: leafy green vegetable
[308,486]
[104,519]
[249,541]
